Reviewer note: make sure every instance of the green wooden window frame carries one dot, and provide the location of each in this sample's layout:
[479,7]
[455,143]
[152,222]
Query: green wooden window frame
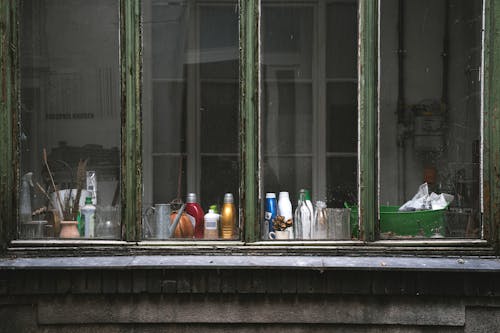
[249,16]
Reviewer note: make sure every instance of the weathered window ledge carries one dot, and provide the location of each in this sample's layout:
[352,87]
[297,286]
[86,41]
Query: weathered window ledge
[424,248]
[428,255]
[257,262]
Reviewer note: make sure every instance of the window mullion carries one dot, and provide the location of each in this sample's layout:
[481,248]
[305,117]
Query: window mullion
[249,105]
[131,123]
[367,97]
[491,121]
[8,117]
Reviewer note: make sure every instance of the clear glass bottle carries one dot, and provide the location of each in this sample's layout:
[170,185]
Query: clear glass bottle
[320,221]
[303,218]
[88,216]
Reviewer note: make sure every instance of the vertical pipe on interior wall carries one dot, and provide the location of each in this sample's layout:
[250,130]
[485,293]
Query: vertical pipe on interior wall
[8,117]
[367,109]
[491,122]
[131,171]
[249,105]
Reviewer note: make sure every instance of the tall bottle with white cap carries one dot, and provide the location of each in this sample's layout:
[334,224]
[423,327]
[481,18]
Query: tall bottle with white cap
[285,209]
[228,217]
[270,212]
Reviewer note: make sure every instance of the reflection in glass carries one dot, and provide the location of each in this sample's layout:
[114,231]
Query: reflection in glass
[190,103]
[309,103]
[70,115]
[430,113]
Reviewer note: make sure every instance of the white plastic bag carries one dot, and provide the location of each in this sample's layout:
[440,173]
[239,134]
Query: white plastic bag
[418,202]
[425,201]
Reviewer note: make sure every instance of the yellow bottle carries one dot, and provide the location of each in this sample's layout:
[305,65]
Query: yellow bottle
[228,217]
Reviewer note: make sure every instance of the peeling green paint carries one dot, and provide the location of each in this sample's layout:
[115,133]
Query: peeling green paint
[130,28]
[491,134]
[249,105]
[367,101]
[8,115]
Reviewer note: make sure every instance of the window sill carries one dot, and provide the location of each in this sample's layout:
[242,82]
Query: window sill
[440,248]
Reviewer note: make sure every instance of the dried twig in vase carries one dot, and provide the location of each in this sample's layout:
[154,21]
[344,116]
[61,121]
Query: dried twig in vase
[52,181]
[80,180]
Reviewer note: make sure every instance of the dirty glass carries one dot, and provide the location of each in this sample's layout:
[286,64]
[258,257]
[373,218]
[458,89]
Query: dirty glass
[309,119]
[190,116]
[430,118]
[69,132]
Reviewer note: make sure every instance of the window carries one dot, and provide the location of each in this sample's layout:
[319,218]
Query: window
[69,136]
[190,106]
[357,102]
[430,116]
[309,106]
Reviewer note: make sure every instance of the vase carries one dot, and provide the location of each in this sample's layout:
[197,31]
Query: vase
[69,229]
[279,234]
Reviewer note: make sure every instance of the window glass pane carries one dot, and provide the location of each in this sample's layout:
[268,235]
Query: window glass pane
[430,117]
[70,118]
[190,115]
[309,116]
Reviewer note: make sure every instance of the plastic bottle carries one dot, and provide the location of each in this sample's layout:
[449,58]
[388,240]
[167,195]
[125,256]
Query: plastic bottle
[211,225]
[215,208]
[271,210]
[195,214]
[285,209]
[303,218]
[228,217]
[320,221]
[88,216]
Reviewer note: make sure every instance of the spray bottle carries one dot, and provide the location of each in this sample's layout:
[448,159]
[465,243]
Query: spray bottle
[25,198]
[88,215]
[228,217]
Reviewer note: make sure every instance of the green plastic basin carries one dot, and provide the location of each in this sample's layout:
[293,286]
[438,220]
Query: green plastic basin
[422,223]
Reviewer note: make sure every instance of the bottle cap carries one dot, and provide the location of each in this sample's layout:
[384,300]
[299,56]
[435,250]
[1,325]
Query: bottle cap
[213,208]
[308,195]
[284,195]
[270,195]
[88,200]
[191,198]
[228,198]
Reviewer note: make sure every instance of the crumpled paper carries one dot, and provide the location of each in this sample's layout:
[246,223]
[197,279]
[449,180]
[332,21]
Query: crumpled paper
[422,200]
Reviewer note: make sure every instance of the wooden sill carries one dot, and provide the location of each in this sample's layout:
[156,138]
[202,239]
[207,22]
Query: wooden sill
[444,248]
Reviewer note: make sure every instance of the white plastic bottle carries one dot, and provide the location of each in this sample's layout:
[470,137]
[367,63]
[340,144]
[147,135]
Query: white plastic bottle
[88,216]
[211,225]
[285,208]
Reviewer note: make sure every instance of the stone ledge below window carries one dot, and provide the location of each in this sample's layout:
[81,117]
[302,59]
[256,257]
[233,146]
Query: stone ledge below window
[250,262]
